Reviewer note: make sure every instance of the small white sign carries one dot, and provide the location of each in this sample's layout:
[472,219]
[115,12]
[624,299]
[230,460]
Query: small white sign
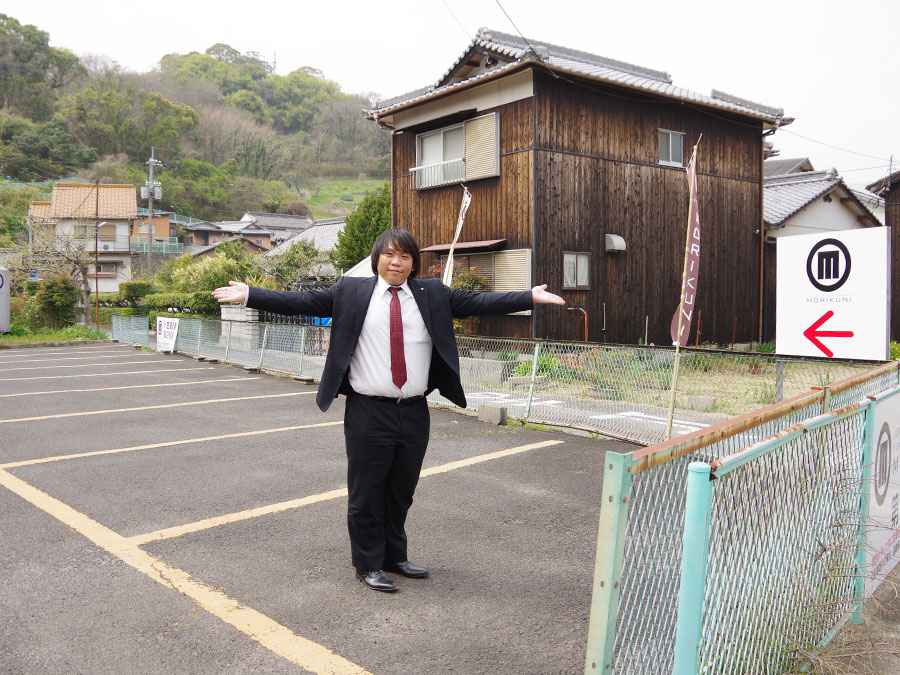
[166,332]
[883,528]
[833,294]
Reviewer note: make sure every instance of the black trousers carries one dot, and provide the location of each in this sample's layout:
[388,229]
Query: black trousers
[386,443]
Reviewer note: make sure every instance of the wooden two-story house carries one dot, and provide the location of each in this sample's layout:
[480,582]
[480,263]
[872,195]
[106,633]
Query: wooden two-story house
[576,164]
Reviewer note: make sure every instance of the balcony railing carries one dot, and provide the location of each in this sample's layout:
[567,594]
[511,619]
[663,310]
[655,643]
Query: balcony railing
[439,173]
[169,246]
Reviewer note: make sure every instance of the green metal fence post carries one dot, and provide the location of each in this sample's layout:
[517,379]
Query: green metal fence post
[615,502]
[694,561]
[534,369]
[859,583]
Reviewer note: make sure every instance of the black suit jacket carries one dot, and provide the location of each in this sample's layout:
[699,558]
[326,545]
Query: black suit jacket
[347,302]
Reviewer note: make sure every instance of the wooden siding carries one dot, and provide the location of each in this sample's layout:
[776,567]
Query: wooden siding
[892,220]
[596,173]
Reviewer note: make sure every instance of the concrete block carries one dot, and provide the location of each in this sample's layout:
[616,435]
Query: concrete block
[495,415]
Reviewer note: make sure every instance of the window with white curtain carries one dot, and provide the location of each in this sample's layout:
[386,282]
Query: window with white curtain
[576,271]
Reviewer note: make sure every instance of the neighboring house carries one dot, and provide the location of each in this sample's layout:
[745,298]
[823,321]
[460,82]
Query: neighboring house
[202,235]
[576,165]
[323,236]
[779,167]
[804,203]
[282,225]
[249,246]
[888,188]
[71,217]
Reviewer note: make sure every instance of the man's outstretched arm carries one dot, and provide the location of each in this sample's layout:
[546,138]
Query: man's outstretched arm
[472,303]
[318,302]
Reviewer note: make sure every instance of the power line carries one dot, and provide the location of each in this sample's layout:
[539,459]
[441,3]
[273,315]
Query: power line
[467,33]
[516,27]
[835,147]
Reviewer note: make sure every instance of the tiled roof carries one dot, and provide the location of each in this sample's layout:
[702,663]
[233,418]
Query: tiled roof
[884,184]
[39,211]
[779,167]
[785,195]
[323,237]
[240,227]
[79,200]
[579,64]
[278,221]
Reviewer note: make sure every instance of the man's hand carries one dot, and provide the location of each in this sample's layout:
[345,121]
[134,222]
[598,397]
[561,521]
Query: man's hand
[235,293]
[540,296]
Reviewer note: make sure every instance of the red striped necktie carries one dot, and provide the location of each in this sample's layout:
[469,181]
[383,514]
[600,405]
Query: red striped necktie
[398,358]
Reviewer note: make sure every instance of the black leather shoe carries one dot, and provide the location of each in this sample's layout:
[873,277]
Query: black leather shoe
[377,580]
[408,569]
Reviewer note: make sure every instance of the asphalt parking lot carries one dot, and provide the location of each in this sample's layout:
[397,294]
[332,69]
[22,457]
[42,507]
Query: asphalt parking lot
[167,515]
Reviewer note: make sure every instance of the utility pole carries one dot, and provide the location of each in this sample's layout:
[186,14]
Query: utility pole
[96,254]
[151,190]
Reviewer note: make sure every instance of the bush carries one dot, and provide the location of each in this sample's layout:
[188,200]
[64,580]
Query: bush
[132,291]
[548,365]
[201,302]
[50,303]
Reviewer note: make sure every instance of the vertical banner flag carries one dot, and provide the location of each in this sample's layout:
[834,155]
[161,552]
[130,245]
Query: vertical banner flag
[680,329]
[463,207]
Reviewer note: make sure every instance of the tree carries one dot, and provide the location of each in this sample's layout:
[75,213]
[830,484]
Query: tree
[293,265]
[14,214]
[371,218]
[37,151]
[112,115]
[31,71]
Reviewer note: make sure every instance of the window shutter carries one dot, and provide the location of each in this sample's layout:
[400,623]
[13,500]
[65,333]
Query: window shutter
[482,147]
[483,265]
[512,270]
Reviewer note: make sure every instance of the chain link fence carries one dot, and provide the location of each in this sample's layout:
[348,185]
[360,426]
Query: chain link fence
[642,525]
[617,390]
[131,329]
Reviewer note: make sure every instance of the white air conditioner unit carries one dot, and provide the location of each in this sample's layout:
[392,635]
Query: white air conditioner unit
[106,247]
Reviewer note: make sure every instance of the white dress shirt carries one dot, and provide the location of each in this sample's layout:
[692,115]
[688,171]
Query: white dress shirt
[370,365]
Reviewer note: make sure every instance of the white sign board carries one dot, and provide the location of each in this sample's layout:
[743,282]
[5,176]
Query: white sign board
[833,294]
[4,300]
[883,528]
[166,332]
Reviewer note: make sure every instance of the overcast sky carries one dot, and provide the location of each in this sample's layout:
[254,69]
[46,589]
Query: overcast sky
[834,66]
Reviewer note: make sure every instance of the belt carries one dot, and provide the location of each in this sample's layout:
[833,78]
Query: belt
[409,400]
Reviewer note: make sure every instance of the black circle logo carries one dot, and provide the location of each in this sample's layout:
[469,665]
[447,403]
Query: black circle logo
[828,270]
[2,280]
[882,463]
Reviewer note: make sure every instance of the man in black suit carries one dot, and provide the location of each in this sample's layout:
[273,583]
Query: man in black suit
[392,344]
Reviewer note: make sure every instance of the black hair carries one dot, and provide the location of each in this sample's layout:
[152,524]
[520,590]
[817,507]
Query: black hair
[399,239]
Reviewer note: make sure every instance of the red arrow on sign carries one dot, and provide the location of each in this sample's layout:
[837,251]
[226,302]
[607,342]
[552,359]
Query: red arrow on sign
[813,333]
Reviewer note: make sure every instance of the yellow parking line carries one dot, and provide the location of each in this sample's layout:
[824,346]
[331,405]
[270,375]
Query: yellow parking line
[87,365]
[273,636]
[159,406]
[77,358]
[126,372]
[228,518]
[165,444]
[129,386]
